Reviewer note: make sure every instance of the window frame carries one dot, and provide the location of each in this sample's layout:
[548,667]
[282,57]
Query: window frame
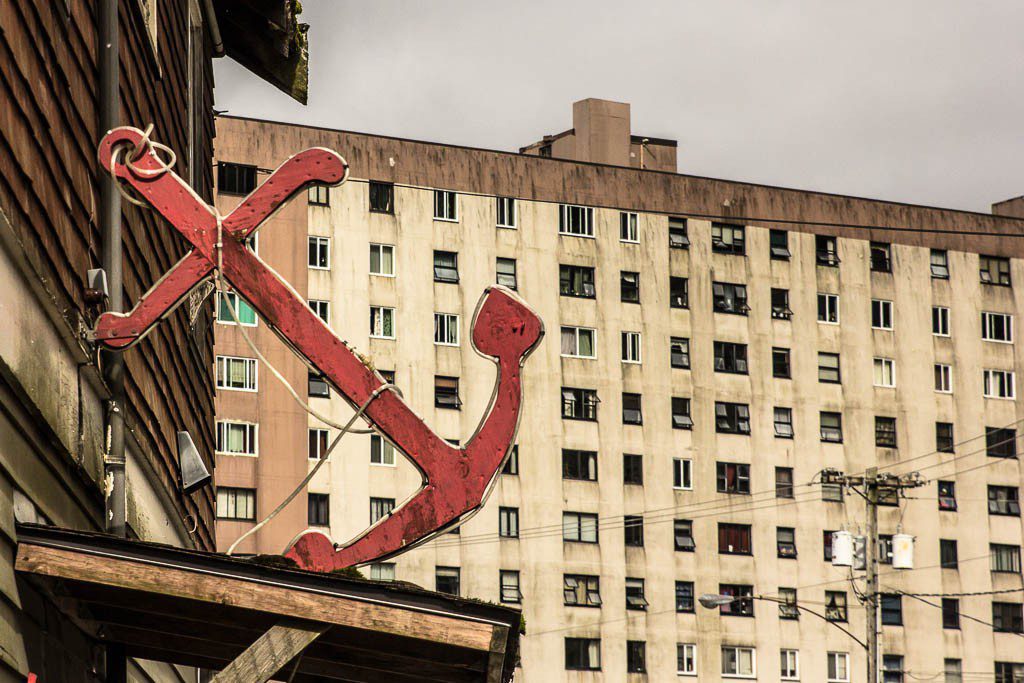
[578,332]
[251,438]
[1004,381]
[629,224]
[739,476]
[678,299]
[939,270]
[828,308]
[509,210]
[499,274]
[568,274]
[629,286]
[580,527]
[940,321]
[321,245]
[737,649]
[508,522]
[232,493]
[446,206]
[384,448]
[728,238]
[780,251]
[586,400]
[445,273]
[723,302]
[730,358]
[988,327]
[682,474]
[383,312]
[583,216]
[373,190]
[443,328]
[588,644]
[381,248]
[509,598]
[678,233]
[579,465]
[238,300]
[683,353]
[943,378]
[322,309]
[1004,277]
[632,347]
[838,370]
[251,368]
[882,314]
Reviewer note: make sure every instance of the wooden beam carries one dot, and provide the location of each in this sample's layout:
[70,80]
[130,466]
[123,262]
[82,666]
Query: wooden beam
[277,600]
[271,651]
[496,661]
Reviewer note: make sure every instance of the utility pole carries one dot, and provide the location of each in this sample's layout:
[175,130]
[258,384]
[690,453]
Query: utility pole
[869,487]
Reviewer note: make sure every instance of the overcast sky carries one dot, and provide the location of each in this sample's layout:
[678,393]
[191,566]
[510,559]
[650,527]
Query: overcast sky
[912,100]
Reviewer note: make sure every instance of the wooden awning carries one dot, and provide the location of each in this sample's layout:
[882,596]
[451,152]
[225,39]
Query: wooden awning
[227,614]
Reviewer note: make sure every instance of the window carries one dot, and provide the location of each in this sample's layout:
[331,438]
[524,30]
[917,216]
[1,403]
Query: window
[322,309]
[505,208]
[949,555]
[633,528]
[576,281]
[380,508]
[994,270]
[678,292]
[1003,500]
[885,432]
[953,670]
[739,607]
[1007,672]
[631,347]
[943,378]
[236,503]
[318,509]
[580,590]
[237,374]
[940,321]
[785,542]
[944,437]
[780,304]
[734,539]
[381,451]
[947,496]
[686,659]
[738,662]
[446,329]
[835,606]
[790,665]
[382,260]
[382,197]
[781,367]
[230,301]
[682,474]
[382,571]
[319,195]
[635,594]
[682,530]
[317,443]
[508,583]
[940,264]
[382,322]
[636,655]
[583,654]
[632,469]
[317,386]
[629,286]
[892,609]
[446,266]
[881,257]
[788,608]
[732,477]
[892,669]
[578,342]
[783,423]
[828,368]
[508,522]
[237,438]
[997,327]
[730,357]
[320,253]
[505,273]
[999,384]
[728,239]
[950,613]
[632,410]
[684,596]
[783,482]
[729,298]
[580,527]
[1007,617]
[445,206]
[831,427]
[446,580]
[1005,558]
[826,251]
[239,179]
[677,235]
[828,308]
[512,463]
[579,465]
[778,241]
[1001,442]
[629,230]
[575,220]
[446,392]
[732,418]
[680,352]
[579,404]
[881,314]
[838,667]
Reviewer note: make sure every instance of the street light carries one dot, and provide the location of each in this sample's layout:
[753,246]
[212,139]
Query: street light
[713,601]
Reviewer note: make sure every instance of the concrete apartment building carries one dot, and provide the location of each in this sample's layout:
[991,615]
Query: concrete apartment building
[712,345]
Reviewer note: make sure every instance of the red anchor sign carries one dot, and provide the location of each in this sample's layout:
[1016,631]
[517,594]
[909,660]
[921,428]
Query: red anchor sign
[456,481]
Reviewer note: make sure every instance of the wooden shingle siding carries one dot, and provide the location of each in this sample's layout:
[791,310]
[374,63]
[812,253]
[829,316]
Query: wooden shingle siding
[49,193]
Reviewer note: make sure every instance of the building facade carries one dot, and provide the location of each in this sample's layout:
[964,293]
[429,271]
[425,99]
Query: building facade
[712,346]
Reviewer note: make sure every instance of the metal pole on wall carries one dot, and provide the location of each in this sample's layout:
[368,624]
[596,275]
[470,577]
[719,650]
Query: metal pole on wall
[871,503]
[109,64]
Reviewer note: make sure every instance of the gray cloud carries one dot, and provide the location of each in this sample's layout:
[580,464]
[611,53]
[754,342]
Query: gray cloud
[911,100]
